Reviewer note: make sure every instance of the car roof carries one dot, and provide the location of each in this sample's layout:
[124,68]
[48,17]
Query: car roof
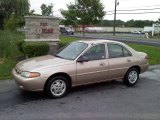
[98,41]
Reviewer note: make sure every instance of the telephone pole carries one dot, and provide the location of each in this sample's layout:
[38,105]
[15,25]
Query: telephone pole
[115,10]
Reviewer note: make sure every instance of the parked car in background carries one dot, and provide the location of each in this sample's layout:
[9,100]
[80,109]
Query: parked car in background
[82,62]
[137,32]
[66,30]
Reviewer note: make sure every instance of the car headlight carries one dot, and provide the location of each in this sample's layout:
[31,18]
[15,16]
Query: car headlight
[30,74]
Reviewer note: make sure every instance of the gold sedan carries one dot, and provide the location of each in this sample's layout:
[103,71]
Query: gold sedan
[79,63]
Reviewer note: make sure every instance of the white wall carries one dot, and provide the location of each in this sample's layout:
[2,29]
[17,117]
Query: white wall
[110,29]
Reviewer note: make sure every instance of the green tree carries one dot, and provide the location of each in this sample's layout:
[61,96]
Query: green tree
[8,8]
[139,23]
[47,10]
[12,23]
[84,12]
[31,12]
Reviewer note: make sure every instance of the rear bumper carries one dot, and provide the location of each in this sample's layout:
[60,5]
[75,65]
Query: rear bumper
[29,84]
[144,67]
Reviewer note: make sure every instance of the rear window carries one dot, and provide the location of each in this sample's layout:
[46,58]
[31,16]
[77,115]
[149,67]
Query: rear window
[116,51]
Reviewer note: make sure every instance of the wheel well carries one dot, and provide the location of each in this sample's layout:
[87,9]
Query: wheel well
[59,74]
[137,67]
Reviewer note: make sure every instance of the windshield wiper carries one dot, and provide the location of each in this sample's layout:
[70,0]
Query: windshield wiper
[59,56]
[62,57]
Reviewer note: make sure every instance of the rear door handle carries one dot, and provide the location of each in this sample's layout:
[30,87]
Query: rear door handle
[129,61]
[102,64]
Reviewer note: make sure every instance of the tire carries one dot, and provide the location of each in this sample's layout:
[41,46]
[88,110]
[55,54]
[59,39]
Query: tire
[131,77]
[53,88]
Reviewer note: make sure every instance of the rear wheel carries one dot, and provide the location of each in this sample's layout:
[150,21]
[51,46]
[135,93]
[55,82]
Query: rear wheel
[131,77]
[57,87]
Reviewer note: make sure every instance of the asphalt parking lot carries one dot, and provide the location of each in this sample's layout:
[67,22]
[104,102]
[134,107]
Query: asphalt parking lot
[105,101]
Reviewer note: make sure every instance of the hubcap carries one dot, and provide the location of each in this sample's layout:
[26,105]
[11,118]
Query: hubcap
[58,87]
[133,76]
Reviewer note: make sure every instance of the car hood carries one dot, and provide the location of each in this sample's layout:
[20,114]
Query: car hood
[41,62]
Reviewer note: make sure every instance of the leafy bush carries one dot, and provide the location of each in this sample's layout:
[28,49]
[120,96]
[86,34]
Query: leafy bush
[32,49]
[20,46]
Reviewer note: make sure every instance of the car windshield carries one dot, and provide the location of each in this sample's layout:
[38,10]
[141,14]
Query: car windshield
[72,51]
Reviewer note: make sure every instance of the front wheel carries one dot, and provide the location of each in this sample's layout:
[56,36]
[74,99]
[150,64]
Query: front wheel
[57,87]
[131,77]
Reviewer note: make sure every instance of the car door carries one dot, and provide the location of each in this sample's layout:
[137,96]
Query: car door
[120,59]
[95,69]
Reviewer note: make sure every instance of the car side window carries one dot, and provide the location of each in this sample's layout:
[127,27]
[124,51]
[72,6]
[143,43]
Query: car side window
[96,52]
[116,51]
[126,52]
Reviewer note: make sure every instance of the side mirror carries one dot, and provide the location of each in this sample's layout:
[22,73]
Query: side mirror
[82,59]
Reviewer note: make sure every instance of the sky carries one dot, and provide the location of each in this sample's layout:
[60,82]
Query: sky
[109,6]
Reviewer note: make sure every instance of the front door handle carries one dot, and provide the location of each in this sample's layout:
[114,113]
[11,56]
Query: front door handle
[102,64]
[129,61]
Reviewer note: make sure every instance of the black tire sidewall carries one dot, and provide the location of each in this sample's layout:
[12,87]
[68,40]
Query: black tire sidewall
[48,91]
[126,81]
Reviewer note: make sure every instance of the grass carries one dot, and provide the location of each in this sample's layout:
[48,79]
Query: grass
[157,37]
[8,44]
[6,66]
[9,51]
[66,40]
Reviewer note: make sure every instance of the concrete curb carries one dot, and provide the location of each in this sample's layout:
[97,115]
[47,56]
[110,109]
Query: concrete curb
[154,67]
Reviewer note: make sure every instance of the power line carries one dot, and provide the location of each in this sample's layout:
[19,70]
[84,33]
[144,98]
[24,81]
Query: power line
[139,13]
[136,9]
[140,9]
[143,6]
[134,13]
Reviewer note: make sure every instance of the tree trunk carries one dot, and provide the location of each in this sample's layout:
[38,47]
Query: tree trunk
[83,30]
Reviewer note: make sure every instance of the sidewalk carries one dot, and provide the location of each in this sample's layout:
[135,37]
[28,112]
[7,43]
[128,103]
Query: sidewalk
[154,67]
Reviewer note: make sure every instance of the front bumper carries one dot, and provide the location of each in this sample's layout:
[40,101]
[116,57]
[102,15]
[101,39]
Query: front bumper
[29,84]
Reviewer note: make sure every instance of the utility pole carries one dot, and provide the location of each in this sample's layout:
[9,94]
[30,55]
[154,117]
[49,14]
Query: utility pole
[115,10]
